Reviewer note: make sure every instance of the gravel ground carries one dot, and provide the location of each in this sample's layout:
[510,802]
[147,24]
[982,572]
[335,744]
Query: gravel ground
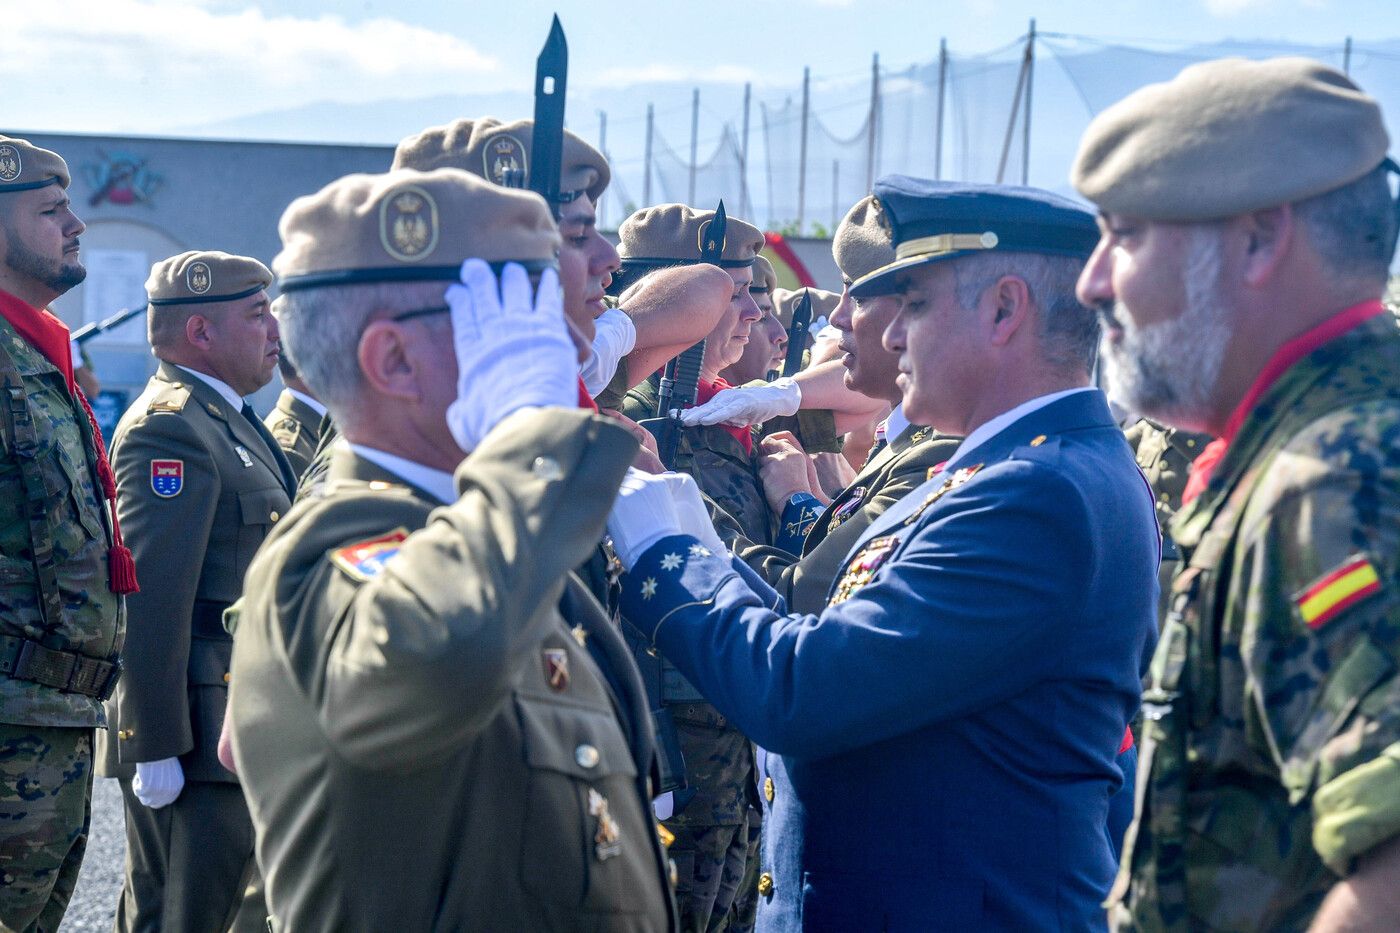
[94,904]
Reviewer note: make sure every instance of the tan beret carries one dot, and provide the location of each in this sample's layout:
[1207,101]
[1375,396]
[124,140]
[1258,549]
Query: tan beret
[490,148]
[202,276]
[669,234]
[863,241]
[764,278]
[24,165]
[410,226]
[785,303]
[1227,137]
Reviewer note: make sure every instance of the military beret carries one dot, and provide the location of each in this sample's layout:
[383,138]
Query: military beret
[937,220]
[785,303]
[491,149]
[670,235]
[199,277]
[410,226]
[1227,137]
[764,278]
[862,242]
[24,165]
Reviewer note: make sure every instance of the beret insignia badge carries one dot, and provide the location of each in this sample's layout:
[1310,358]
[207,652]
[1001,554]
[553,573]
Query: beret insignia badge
[10,163]
[700,237]
[504,161]
[408,224]
[198,278]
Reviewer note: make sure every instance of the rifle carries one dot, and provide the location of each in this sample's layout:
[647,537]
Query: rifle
[797,337]
[547,136]
[682,374]
[88,331]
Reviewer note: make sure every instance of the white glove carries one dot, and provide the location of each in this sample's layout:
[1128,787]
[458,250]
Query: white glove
[694,516]
[158,783]
[615,337]
[644,513]
[745,405]
[513,350]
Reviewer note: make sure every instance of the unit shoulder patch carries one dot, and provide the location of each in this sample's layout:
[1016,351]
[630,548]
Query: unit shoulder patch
[364,559]
[1336,591]
[167,478]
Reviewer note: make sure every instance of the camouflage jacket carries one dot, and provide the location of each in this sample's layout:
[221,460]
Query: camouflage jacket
[1271,746]
[92,622]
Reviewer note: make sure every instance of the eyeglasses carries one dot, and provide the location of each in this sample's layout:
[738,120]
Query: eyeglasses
[421,312]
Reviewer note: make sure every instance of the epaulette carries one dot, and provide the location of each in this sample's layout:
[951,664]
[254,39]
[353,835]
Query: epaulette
[290,427]
[171,398]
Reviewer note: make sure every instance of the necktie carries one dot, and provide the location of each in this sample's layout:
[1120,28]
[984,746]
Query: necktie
[289,480]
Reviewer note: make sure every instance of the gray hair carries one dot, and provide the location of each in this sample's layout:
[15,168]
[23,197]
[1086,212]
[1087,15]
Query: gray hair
[1353,229]
[321,330]
[1069,332]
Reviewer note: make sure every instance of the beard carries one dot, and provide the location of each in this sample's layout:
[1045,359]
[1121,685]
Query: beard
[1169,370]
[54,274]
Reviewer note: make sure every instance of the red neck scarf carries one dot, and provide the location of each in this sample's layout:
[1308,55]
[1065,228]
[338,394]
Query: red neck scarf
[1287,355]
[585,401]
[704,391]
[47,334]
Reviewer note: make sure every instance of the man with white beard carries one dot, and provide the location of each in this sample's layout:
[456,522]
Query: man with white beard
[1241,297]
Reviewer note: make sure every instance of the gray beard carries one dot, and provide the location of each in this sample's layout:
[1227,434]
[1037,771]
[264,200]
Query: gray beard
[1169,370]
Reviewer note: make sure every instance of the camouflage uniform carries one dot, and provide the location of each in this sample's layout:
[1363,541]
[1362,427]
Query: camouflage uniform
[46,734]
[1272,742]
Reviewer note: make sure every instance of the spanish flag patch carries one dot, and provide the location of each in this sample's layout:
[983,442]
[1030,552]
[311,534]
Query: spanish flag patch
[363,560]
[1337,591]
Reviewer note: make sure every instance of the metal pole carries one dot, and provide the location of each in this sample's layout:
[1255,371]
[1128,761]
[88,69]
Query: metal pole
[1026,127]
[603,148]
[646,169]
[694,139]
[1011,124]
[1346,58]
[767,160]
[938,122]
[802,152]
[745,203]
[873,123]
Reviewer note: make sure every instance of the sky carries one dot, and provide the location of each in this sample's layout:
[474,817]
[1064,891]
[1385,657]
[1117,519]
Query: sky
[158,66]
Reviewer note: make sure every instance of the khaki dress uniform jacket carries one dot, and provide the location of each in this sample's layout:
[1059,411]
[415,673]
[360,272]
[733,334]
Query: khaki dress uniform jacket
[297,428]
[199,488]
[426,742]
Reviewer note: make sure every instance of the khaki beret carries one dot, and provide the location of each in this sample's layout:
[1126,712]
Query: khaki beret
[863,241]
[764,278]
[785,303]
[1227,137]
[24,165]
[199,277]
[670,234]
[409,226]
[489,148]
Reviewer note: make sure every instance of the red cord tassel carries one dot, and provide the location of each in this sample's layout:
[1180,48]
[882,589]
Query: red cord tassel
[121,565]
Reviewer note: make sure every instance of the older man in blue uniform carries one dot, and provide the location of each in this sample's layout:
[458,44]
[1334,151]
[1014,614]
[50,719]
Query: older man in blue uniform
[941,740]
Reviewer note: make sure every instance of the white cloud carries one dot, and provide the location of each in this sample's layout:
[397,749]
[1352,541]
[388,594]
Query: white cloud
[659,73]
[1234,7]
[180,56]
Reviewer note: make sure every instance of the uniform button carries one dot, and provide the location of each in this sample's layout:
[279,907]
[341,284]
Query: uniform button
[765,885]
[124,734]
[275,515]
[1190,442]
[227,677]
[768,789]
[586,756]
[547,469]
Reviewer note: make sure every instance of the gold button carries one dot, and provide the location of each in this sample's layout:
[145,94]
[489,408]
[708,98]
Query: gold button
[275,515]
[768,789]
[124,734]
[765,885]
[1039,439]
[587,756]
[1190,442]
[227,677]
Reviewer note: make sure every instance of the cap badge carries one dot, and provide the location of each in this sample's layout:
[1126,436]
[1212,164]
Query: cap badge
[700,238]
[408,224]
[10,163]
[199,278]
[504,160]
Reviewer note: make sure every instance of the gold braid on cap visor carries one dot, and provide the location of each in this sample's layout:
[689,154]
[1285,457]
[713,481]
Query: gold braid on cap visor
[944,243]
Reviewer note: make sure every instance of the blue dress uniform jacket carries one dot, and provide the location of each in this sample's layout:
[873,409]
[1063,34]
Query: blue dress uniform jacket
[941,739]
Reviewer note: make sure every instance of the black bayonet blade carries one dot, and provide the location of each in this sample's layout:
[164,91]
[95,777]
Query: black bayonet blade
[797,334]
[547,145]
[712,242]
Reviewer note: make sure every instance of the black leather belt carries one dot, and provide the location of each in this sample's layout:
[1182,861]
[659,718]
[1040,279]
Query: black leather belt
[68,671]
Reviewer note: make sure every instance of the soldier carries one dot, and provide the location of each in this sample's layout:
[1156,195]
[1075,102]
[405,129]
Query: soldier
[296,421]
[940,741]
[201,482]
[1241,297]
[64,569]
[768,339]
[436,726]
[823,306]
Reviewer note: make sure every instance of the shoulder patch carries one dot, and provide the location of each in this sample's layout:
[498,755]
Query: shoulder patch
[1337,590]
[167,478]
[172,398]
[363,560]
